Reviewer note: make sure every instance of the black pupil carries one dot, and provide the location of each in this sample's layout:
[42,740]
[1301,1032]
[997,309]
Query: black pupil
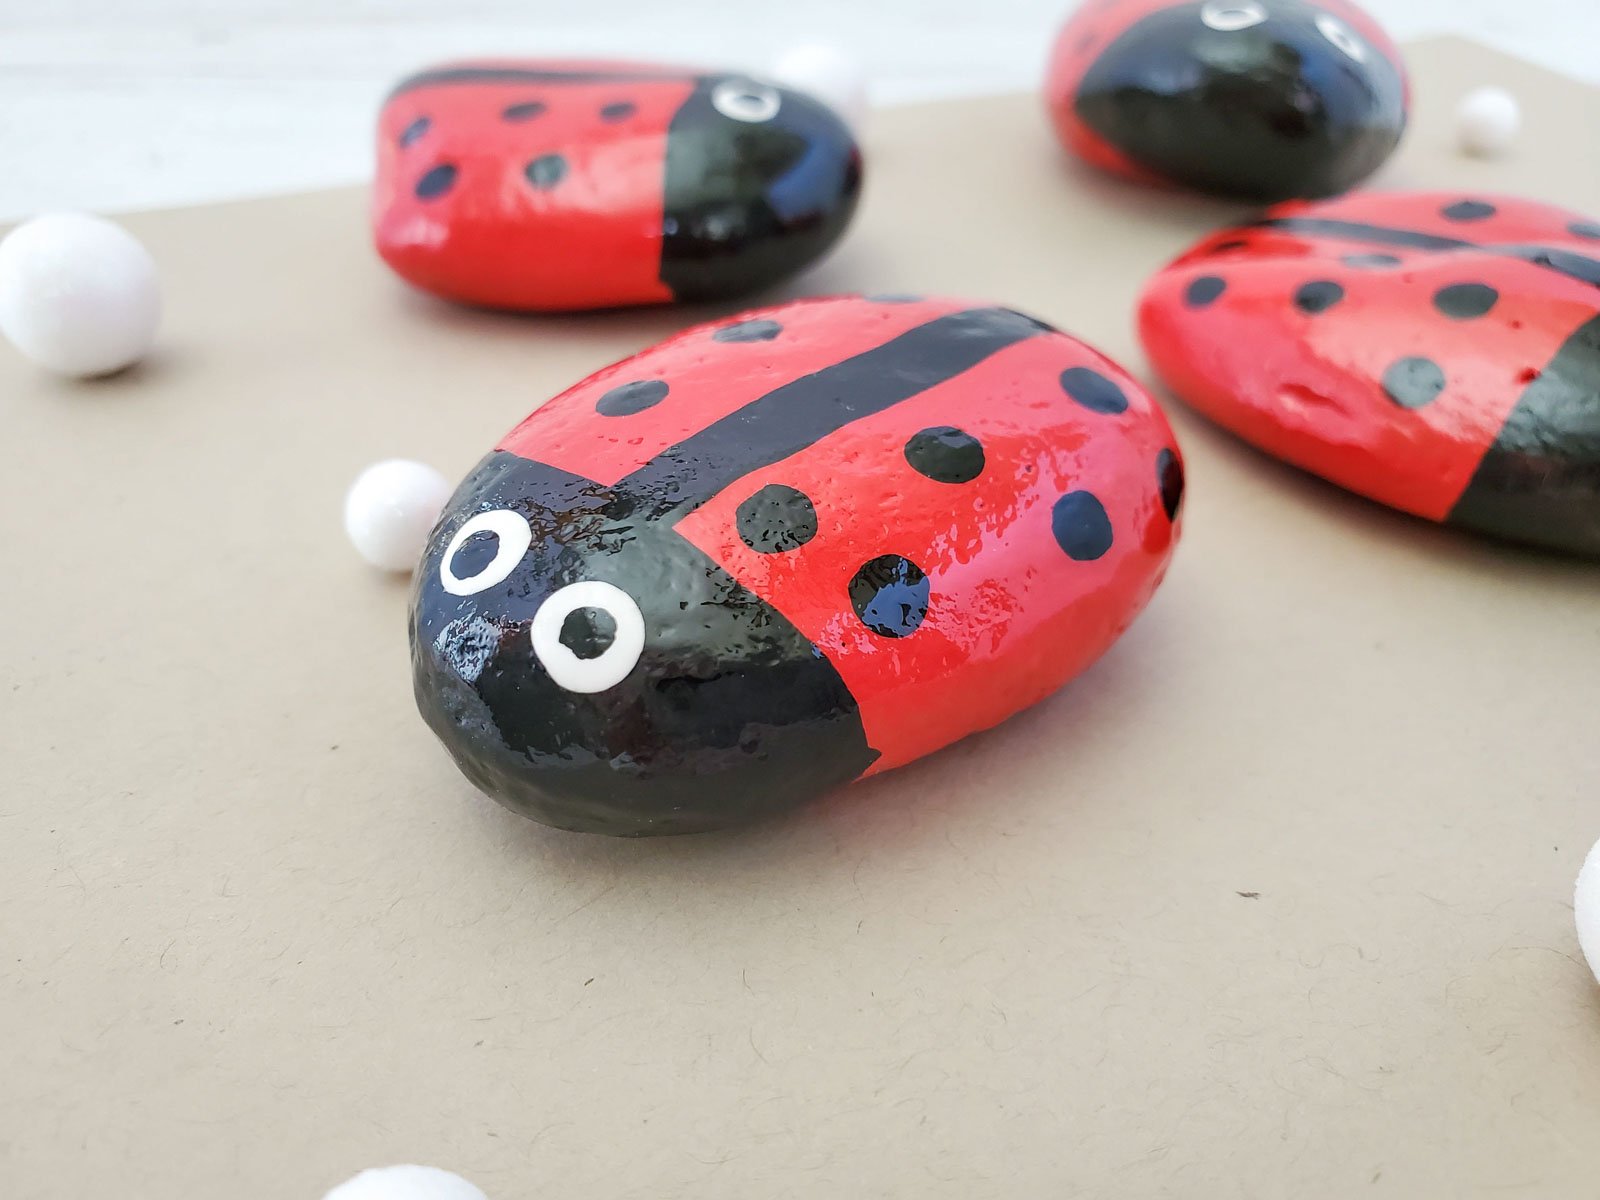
[588,632]
[475,554]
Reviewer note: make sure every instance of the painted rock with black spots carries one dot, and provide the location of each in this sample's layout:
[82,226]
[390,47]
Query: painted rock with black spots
[549,186]
[775,554]
[1260,99]
[1436,352]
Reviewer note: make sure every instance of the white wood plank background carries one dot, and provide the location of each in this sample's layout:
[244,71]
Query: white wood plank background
[123,104]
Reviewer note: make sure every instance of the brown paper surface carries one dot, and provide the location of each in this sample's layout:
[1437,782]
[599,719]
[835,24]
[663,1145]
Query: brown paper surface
[1274,901]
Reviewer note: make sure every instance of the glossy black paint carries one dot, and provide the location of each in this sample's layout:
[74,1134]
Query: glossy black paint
[1540,481]
[1269,112]
[725,687]
[749,203]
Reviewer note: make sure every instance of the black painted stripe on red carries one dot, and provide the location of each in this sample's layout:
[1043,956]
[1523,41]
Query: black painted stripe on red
[1540,481]
[1563,262]
[797,415]
[449,76]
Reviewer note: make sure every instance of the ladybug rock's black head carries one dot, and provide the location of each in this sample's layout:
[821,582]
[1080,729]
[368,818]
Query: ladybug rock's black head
[589,668]
[1262,99]
[760,181]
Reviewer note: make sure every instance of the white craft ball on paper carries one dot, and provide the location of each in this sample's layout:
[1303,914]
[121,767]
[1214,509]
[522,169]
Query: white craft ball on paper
[1488,121]
[1586,908]
[78,294]
[390,510]
[830,75]
[405,1183]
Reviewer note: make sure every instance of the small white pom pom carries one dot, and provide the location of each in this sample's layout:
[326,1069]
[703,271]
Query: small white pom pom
[830,75]
[405,1183]
[1586,908]
[390,509]
[78,294]
[1488,121]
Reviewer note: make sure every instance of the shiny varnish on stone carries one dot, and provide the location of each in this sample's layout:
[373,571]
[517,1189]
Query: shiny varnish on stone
[550,186]
[779,552]
[1258,99]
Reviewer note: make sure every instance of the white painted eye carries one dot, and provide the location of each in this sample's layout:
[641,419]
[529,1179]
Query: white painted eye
[484,551]
[588,636]
[745,100]
[1342,36]
[1225,16]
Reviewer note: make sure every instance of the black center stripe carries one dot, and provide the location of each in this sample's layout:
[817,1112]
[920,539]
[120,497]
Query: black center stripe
[539,75]
[1562,262]
[787,420]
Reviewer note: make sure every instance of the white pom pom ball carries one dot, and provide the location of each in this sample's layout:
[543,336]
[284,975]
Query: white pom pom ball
[830,75]
[405,1183]
[78,295]
[1488,121]
[1586,907]
[390,509]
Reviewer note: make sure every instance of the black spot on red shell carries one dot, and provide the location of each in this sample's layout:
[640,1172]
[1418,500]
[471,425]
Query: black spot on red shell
[588,632]
[945,454]
[436,181]
[1464,301]
[546,171]
[757,330]
[1318,296]
[1230,244]
[414,131]
[1467,210]
[619,110]
[1585,229]
[890,594]
[1081,526]
[1093,390]
[1204,291]
[629,398]
[1370,261]
[1413,382]
[775,519]
[527,110]
[1169,474]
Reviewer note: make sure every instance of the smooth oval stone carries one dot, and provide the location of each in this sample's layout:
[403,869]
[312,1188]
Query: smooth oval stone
[1261,99]
[1437,352]
[549,186]
[783,551]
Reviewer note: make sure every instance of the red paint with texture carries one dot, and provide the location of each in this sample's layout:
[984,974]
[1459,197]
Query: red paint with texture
[1500,295]
[492,239]
[1011,617]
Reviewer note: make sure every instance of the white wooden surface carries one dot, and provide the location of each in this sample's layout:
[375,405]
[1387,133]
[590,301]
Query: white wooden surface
[123,104]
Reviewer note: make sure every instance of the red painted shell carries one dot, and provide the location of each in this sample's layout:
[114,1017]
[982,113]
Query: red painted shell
[1011,616]
[1435,352]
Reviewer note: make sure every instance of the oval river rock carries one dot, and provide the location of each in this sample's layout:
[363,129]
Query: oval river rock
[782,551]
[558,186]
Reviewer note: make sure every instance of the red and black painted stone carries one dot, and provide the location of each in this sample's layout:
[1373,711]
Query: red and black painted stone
[777,553]
[548,186]
[1438,353]
[1260,99]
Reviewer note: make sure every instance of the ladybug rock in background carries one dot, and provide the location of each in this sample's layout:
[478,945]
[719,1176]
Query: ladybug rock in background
[1435,352]
[1260,99]
[560,186]
[780,552]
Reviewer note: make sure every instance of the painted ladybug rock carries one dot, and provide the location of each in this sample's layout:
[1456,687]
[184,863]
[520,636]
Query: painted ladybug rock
[548,186]
[1437,353]
[772,555]
[1261,99]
